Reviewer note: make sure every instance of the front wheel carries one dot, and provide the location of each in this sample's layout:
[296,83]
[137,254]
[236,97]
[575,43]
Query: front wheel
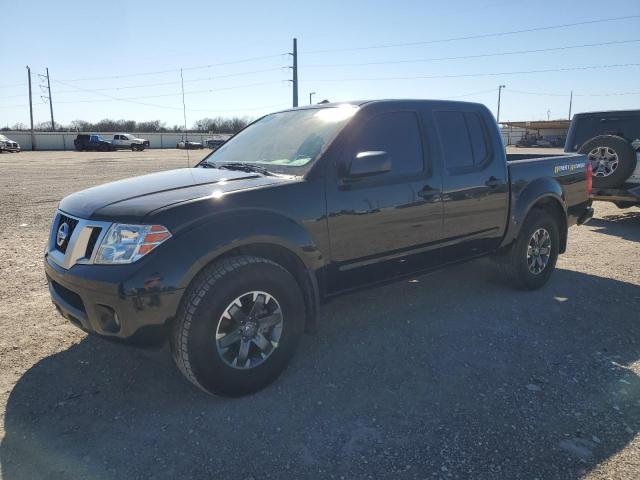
[238,326]
[533,256]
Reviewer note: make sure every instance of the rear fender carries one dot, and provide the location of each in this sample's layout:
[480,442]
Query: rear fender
[543,192]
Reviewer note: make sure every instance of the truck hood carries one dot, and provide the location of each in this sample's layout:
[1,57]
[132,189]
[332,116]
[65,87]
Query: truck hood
[134,198]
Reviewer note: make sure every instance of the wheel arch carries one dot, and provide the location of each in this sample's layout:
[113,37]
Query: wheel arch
[542,194]
[290,261]
[264,235]
[553,207]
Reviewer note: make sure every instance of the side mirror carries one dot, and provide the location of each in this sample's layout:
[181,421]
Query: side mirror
[369,163]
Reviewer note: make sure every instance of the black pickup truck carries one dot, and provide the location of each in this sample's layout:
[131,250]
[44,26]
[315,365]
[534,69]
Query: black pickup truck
[230,260]
[95,142]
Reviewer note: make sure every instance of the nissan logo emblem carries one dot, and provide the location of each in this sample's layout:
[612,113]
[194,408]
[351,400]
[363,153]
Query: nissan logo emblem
[63,232]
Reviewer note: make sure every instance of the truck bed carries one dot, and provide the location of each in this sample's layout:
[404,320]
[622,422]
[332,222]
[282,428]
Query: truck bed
[563,176]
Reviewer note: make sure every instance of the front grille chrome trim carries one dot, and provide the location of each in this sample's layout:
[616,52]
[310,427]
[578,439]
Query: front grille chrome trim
[77,246]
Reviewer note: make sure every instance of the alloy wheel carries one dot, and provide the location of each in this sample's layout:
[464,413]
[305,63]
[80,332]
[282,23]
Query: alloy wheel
[604,161]
[249,330]
[538,251]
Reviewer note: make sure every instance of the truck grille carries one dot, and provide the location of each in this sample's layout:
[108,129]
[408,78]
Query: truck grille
[91,244]
[78,246]
[72,223]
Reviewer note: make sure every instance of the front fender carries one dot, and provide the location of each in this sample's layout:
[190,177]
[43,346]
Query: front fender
[179,260]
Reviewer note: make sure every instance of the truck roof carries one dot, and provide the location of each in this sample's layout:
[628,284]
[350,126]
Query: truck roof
[391,101]
[608,112]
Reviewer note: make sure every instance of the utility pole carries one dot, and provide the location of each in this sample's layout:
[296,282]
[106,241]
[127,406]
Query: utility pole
[570,104]
[311,97]
[184,113]
[295,72]
[500,87]
[33,147]
[53,125]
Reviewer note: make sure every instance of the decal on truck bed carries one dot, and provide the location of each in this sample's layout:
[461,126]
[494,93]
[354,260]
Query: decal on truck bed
[569,167]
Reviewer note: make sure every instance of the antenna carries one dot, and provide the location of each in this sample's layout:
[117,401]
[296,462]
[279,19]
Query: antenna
[184,113]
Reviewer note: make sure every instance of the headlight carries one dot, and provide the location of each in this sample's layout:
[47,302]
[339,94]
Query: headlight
[128,243]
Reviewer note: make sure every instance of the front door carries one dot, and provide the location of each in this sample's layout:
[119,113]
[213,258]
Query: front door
[382,218]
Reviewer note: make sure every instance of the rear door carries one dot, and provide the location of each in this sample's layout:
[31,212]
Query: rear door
[120,140]
[475,179]
[382,218]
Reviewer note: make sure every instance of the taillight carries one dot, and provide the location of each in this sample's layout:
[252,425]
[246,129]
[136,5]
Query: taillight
[589,178]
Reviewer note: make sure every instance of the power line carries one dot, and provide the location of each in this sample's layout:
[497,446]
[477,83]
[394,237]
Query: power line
[544,94]
[466,57]
[124,99]
[492,90]
[262,107]
[481,74]
[472,37]
[201,79]
[156,72]
[11,85]
[22,105]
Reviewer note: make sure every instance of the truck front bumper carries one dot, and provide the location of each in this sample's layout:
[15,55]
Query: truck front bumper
[98,305]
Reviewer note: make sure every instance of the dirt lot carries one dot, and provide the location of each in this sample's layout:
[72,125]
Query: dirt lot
[450,375]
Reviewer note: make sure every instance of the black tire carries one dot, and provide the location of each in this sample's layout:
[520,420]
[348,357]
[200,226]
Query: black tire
[177,145]
[626,163]
[193,337]
[103,148]
[516,265]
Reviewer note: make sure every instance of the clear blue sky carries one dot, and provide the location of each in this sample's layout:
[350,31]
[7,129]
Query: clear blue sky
[77,40]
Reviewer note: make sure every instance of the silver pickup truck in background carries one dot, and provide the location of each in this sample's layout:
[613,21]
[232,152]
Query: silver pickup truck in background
[126,140]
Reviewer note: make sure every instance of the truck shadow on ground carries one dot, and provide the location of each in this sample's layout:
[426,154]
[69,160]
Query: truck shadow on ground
[451,373]
[624,225]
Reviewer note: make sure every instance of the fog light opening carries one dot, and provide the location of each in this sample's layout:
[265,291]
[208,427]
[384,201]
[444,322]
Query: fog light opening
[108,318]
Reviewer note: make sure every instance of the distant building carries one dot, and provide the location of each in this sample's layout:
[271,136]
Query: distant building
[542,133]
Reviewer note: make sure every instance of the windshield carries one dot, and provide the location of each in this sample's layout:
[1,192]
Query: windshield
[285,142]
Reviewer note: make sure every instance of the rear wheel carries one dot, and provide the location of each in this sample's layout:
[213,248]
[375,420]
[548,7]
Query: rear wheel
[532,258]
[612,158]
[238,326]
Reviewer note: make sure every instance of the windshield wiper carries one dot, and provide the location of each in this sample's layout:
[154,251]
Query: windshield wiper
[243,167]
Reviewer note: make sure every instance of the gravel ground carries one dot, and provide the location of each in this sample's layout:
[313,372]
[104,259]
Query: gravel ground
[447,375]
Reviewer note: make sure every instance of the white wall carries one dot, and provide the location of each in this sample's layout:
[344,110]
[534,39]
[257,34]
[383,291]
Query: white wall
[64,140]
[511,135]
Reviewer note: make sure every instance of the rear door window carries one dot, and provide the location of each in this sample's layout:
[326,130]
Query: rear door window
[464,140]
[454,139]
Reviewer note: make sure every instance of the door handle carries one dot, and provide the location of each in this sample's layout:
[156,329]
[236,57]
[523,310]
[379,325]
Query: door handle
[493,182]
[427,192]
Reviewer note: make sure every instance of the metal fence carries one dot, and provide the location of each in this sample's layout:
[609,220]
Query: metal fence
[64,140]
